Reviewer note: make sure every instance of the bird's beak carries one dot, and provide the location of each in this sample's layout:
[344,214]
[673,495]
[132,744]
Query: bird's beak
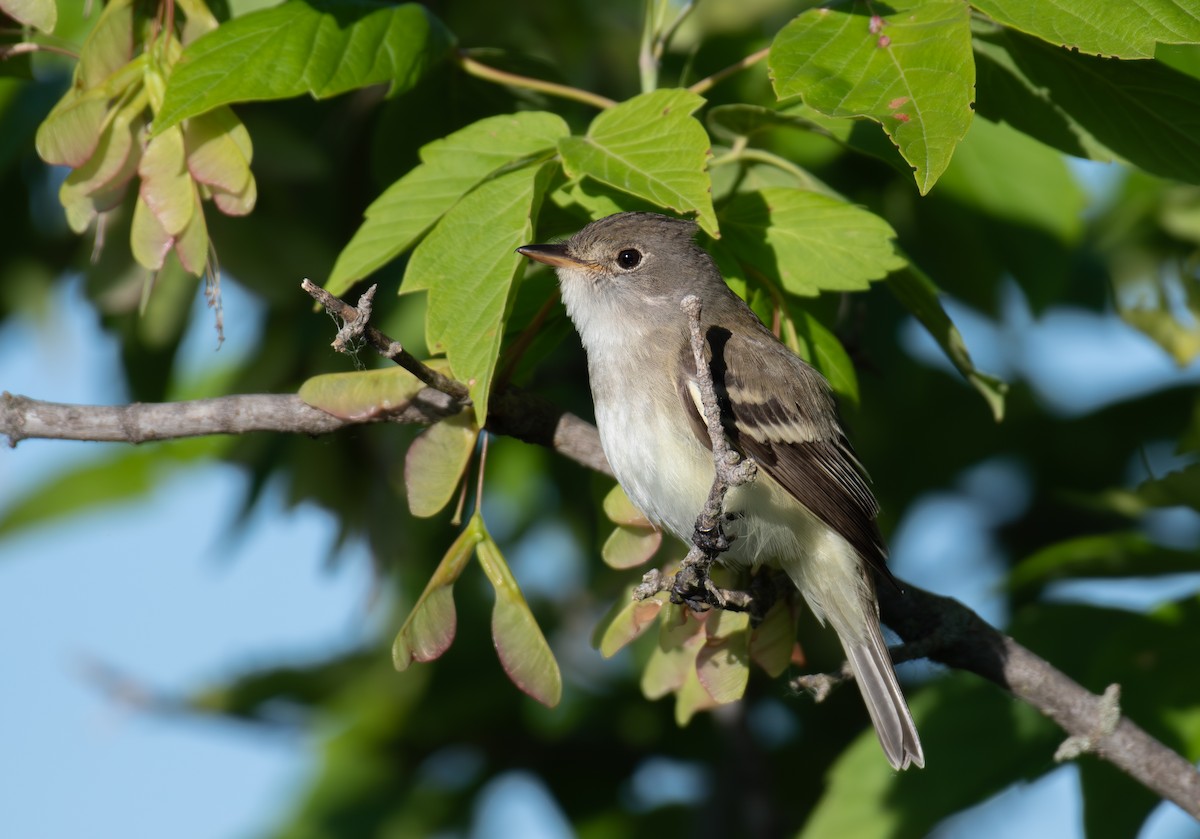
[554,255]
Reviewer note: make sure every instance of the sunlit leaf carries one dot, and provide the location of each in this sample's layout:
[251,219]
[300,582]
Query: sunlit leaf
[40,14]
[523,651]
[908,67]
[470,269]
[363,394]
[71,132]
[620,509]
[809,242]
[1122,30]
[99,184]
[650,147]
[435,462]
[822,349]
[323,48]
[167,188]
[219,150]
[450,168]
[629,547]
[429,629]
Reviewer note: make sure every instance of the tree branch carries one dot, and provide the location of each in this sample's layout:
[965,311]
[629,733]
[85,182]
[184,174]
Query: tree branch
[944,629]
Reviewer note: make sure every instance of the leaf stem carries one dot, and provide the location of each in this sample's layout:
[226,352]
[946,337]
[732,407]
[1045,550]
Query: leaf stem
[491,74]
[705,84]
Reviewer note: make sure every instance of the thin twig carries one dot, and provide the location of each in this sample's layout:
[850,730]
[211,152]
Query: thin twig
[705,84]
[491,74]
[384,345]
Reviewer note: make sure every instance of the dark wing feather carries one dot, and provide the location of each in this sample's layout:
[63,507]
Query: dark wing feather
[791,430]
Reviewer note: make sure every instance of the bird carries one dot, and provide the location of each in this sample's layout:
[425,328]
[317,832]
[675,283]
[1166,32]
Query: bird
[809,511]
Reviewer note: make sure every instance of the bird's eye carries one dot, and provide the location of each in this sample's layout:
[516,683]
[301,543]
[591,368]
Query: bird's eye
[629,258]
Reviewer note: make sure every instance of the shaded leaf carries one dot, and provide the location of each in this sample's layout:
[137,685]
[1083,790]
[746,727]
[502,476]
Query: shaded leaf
[650,147]
[1046,196]
[191,246]
[1138,111]
[1123,30]
[1181,487]
[429,629]
[862,789]
[435,462]
[626,621]
[148,239]
[363,394]
[723,663]
[822,349]
[773,641]
[810,242]
[910,70]
[917,292]
[450,168]
[323,48]
[470,270]
[1125,554]
[673,660]
[523,651]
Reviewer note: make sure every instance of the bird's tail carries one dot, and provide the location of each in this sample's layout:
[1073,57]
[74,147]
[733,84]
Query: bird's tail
[872,666]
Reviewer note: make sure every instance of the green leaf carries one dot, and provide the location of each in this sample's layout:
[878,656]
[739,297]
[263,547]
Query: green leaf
[1126,554]
[70,133]
[910,70]
[1142,112]
[620,509]
[626,621]
[723,663]
[450,168]
[822,349]
[435,462]
[673,660]
[1118,29]
[105,482]
[862,791]
[917,292]
[320,47]
[469,265]
[1046,196]
[773,641]
[100,183]
[109,46]
[810,242]
[167,187]
[523,651]
[363,394]
[629,547]
[219,150]
[40,14]
[652,148]
[429,629]
[1181,487]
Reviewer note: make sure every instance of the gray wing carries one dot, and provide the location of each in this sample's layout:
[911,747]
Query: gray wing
[790,429]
